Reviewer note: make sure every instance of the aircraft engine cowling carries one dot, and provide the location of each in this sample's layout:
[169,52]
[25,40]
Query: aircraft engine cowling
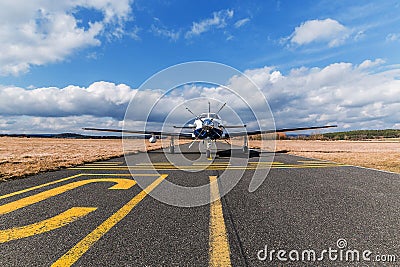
[152,139]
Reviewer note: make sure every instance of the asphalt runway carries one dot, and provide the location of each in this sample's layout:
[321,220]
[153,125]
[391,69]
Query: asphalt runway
[306,213]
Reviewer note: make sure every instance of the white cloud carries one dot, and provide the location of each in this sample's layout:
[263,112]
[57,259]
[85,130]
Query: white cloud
[101,99]
[370,64]
[341,93]
[217,21]
[328,31]
[241,22]
[70,124]
[170,34]
[44,31]
[392,37]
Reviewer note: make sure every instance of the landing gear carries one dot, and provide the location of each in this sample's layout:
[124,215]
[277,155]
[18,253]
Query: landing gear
[208,149]
[171,146]
[245,144]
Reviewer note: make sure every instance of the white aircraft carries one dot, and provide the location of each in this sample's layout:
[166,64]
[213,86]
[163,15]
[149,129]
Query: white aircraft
[209,128]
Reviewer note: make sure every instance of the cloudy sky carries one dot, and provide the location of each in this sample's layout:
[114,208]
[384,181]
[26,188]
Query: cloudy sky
[70,64]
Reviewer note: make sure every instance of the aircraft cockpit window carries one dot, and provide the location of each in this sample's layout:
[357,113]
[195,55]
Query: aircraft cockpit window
[211,116]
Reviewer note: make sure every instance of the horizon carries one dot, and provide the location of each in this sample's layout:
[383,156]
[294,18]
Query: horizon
[71,65]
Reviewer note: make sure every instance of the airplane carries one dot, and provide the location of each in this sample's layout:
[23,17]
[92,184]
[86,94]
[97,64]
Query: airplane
[209,128]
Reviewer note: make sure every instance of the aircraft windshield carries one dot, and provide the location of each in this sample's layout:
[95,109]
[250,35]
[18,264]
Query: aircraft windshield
[212,116]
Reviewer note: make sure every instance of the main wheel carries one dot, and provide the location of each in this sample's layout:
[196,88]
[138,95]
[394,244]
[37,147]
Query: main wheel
[245,149]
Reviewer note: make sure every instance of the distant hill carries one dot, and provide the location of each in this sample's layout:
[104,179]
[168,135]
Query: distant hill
[362,134]
[62,135]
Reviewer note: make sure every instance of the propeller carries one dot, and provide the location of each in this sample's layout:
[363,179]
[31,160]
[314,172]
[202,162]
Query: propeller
[221,107]
[197,138]
[207,125]
[197,117]
[212,119]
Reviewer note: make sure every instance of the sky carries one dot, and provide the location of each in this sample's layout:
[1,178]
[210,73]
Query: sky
[65,65]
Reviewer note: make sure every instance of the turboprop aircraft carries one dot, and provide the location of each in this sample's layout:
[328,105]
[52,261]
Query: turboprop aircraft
[209,128]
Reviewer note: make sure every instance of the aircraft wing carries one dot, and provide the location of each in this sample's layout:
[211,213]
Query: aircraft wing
[184,135]
[234,134]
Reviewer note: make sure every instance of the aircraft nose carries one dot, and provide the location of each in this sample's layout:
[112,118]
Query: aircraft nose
[208,123]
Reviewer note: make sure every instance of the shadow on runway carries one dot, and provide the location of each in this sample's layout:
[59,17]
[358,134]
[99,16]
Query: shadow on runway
[226,153]
[237,153]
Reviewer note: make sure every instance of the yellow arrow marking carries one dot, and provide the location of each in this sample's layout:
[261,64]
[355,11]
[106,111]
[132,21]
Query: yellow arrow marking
[79,249]
[120,184]
[55,222]
[39,186]
[219,251]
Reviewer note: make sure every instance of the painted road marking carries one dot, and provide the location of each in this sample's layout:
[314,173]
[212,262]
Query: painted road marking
[79,249]
[39,186]
[50,224]
[214,163]
[107,162]
[266,162]
[69,178]
[219,251]
[120,184]
[214,167]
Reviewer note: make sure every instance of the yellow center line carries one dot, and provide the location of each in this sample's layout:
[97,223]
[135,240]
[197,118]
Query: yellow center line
[47,225]
[82,246]
[219,251]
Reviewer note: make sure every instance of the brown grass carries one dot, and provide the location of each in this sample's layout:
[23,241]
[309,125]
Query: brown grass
[382,155]
[25,156]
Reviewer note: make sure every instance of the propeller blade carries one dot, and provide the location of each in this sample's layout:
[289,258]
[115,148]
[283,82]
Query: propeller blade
[190,112]
[197,138]
[221,107]
[197,117]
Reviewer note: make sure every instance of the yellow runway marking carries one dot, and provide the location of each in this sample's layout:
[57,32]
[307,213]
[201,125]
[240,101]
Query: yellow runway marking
[69,178]
[154,163]
[39,186]
[79,249]
[313,161]
[50,224]
[103,165]
[219,251]
[214,167]
[266,162]
[6,208]
[109,162]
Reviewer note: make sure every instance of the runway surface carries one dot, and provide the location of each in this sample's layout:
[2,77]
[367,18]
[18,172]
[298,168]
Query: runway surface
[306,213]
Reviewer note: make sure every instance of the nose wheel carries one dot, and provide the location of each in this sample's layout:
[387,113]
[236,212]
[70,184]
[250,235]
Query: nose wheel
[245,144]
[208,153]
[208,149]
[171,146]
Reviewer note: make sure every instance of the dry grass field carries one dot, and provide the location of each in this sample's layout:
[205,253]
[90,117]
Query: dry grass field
[382,155]
[24,156]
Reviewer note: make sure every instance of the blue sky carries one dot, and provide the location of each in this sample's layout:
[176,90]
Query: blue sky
[103,44]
